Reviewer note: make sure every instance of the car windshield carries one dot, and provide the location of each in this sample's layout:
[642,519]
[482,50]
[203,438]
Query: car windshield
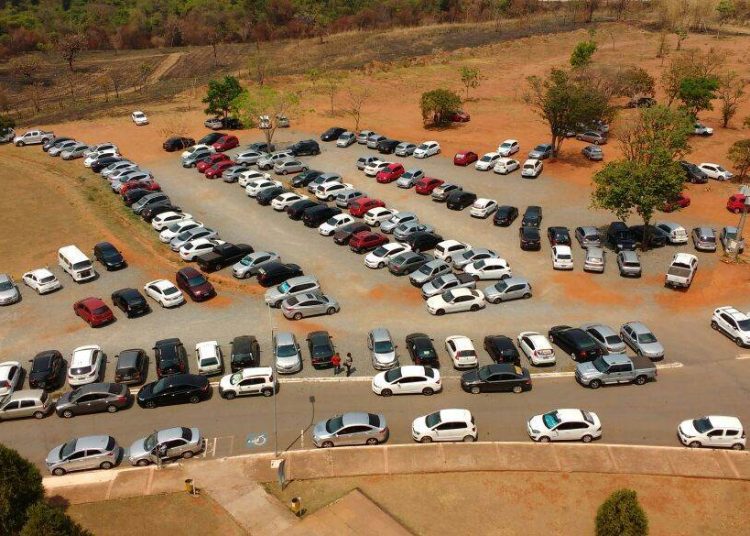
[646,338]
[150,442]
[160,386]
[563,256]
[505,146]
[245,261]
[284,287]
[6,285]
[41,364]
[100,310]
[286,350]
[486,158]
[600,364]
[196,280]
[483,373]
[393,375]
[209,362]
[613,339]
[422,146]
[68,449]
[425,269]
[438,282]
[540,148]
[82,264]
[335,424]
[80,370]
[702,425]
[433,419]
[332,221]
[551,419]
[235,378]
[321,350]
[448,296]
[380,252]
[501,286]
[744,325]
[169,291]
[382,347]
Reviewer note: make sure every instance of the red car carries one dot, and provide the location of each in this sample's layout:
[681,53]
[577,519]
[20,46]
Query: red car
[94,311]
[226,142]
[426,185]
[145,184]
[682,201]
[195,284]
[736,203]
[390,173]
[460,117]
[366,241]
[359,206]
[209,161]
[215,171]
[464,158]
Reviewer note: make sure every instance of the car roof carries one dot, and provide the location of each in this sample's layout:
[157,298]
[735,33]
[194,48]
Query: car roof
[207,346]
[455,415]
[92,442]
[26,394]
[355,417]
[569,415]
[284,337]
[516,281]
[562,249]
[705,230]
[638,327]
[168,434]
[617,359]
[719,421]
[413,370]
[628,255]
[380,334]
[462,342]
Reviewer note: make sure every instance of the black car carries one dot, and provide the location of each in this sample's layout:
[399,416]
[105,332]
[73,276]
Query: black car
[460,200]
[530,238]
[656,238]
[693,173]
[93,398]
[109,256]
[245,353]
[423,241]
[267,195]
[505,215]
[305,178]
[262,147]
[130,301]
[641,102]
[102,162]
[177,389]
[177,143]
[46,370]
[315,216]
[132,366]
[298,208]
[502,349]
[305,148]
[131,196]
[223,255]
[421,350]
[497,378]
[170,357]
[558,236]
[619,236]
[151,211]
[345,233]
[47,145]
[332,134]
[387,146]
[574,341]
[275,273]
[210,139]
[532,217]
[321,349]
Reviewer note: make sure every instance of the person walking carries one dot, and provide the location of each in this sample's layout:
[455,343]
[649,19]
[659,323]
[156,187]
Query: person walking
[336,362]
[348,364]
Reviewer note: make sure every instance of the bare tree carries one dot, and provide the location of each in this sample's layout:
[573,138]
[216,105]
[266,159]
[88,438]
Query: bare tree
[356,98]
[331,83]
[730,93]
[118,78]
[25,67]
[70,47]
[259,67]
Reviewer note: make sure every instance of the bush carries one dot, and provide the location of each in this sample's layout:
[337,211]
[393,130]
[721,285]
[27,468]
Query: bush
[20,487]
[438,105]
[45,519]
[621,515]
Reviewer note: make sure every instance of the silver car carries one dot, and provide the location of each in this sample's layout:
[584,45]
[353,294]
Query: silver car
[473,255]
[310,304]
[324,178]
[405,148]
[588,236]
[364,161]
[704,238]
[595,259]
[9,292]
[286,353]
[605,337]
[362,136]
[171,443]
[27,403]
[447,282]
[429,271]
[382,349]
[357,428]
[269,161]
[61,146]
[249,157]
[511,288]
[396,220]
[404,230]
[148,199]
[641,340]
[232,174]
[249,265]
[291,287]
[289,166]
[442,192]
[374,139]
[191,234]
[194,157]
[76,151]
[89,452]
[117,166]
[347,196]
[409,178]
[629,263]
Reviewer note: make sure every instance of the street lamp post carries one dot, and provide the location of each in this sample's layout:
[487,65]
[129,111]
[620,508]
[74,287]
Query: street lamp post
[275,391]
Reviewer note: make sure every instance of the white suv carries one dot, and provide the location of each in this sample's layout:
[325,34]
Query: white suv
[248,381]
[445,425]
[733,323]
[712,431]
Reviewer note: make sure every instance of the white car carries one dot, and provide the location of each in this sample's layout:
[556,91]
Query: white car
[562,257]
[506,165]
[329,190]
[166,235]
[508,147]
[10,372]
[334,223]
[139,118]
[487,162]
[373,167]
[712,431]
[493,268]
[164,292]
[379,257]
[258,185]
[93,157]
[447,250]
[284,200]
[537,348]
[532,168]
[699,129]
[103,147]
[715,171]
[483,207]
[165,219]
[407,380]
[85,365]
[733,323]
[118,166]
[565,425]
[445,425]
[455,301]
[677,234]
[248,381]
[375,216]
[195,248]
[427,149]
[461,351]
[41,280]
[199,147]
[246,177]
[208,356]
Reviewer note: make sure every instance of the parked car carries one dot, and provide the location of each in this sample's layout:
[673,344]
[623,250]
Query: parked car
[390,173]
[296,210]
[382,349]
[286,352]
[575,342]
[728,235]
[562,257]
[441,193]
[505,215]
[704,238]
[397,220]
[162,445]
[373,140]
[530,238]
[409,379]
[737,203]
[332,134]
[174,389]
[541,151]
[508,148]
[445,425]
[509,288]
[408,228]
[405,149]
[248,381]
[537,348]
[490,268]
[715,171]
[80,454]
[109,256]
[681,270]
[222,255]
[447,281]
[426,185]
[592,136]
[194,284]
[249,265]
[311,304]
[427,149]
[245,354]
[177,143]
[209,358]
[681,201]
[428,271]
[9,292]
[465,158]
[375,216]
[593,152]
[693,173]
[94,398]
[461,351]
[131,367]
[32,137]
[620,237]
[470,256]
[164,292]
[675,233]
[305,147]
[421,350]
[699,129]
[456,300]
[366,241]
[565,425]
[379,257]
[501,349]
[606,338]
[487,162]
[532,217]
[500,377]
[351,429]
[35,403]
[346,139]
[387,146]
[41,280]
[615,368]
[460,199]
[321,348]
[85,365]
[293,286]
[130,301]
[594,260]
[532,168]
[407,262]
[366,160]
[712,431]
[503,166]
[46,370]
[641,340]
[275,273]
[335,222]
[93,311]
[225,143]
[641,102]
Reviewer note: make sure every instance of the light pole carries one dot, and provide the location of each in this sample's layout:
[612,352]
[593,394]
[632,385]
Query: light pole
[275,390]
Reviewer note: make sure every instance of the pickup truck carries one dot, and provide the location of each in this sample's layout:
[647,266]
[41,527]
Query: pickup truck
[223,255]
[32,137]
[681,271]
[615,368]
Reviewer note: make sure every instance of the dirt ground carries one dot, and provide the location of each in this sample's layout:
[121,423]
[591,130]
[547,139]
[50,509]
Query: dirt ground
[535,503]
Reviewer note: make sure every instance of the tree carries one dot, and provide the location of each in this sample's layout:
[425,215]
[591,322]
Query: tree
[20,487]
[725,10]
[43,518]
[654,129]
[331,82]
[6,123]
[589,8]
[621,515]
[356,98]
[220,95]
[470,77]
[691,63]
[731,92]
[259,67]
[582,54]
[746,122]
[70,47]
[662,49]
[248,106]
[564,103]
[682,34]
[739,155]
[634,81]
[438,105]
[696,93]
[25,67]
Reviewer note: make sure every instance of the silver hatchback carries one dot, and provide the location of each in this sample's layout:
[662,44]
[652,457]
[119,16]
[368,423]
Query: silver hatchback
[286,353]
[605,337]
[510,288]
[397,219]
[80,454]
[249,265]
[429,271]
[291,287]
[410,178]
[629,263]
[356,428]
[27,403]
[382,349]
[594,259]
[704,238]
[171,443]
[588,236]
[308,304]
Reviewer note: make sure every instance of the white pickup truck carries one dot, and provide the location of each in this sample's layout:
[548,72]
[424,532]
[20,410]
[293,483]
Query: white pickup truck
[681,271]
[33,137]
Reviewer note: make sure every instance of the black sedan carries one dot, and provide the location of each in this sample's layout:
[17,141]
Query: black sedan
[693,173]
[574,341]
[532,217]
[558,236]
[497,378]
[345,233]
[245,352]
[130,301]
[332,134]
[177,143]
[275,273]
[175,389]
[655,237]
[94,398]
[461,199]
[102,162]
[265,197]
[321,349]
[387,146]
[109,256]
[305,178]
[530,239]
[298,208]
[502,349]
[505,215]
[421,350]
[150,212]
[46,370]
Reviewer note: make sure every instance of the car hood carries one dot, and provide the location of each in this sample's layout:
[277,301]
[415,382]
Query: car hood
[145,391]
[586,369]
[203,288]
[687,428]
[537,423]
[385,358]
[54,455]
[288,361]
[273,294]
[320,431]
[8,294]
[470,377]
[652,348]
[64,400]
[420,425]
[39,376]
[429,288]
[138,449]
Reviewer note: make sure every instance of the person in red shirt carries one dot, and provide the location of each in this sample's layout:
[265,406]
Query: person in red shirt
[336,362]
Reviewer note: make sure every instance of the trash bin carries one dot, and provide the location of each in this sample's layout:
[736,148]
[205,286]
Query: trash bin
[189,486]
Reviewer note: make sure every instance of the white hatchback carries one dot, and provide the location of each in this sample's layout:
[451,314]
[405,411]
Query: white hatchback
[375,216]
[493,268]
[209,358]
[41,280]
[536,347]
[461,351]
[85,365]
[195,248]
[334,223]
[712,431]
[445,425]
[173,229]
[246,177]
[448,250]
[532,168]
[409,379]
[562,257]
[427,149]
[506,165]
[257,186]
[487,161]
[166,219]
[508,147]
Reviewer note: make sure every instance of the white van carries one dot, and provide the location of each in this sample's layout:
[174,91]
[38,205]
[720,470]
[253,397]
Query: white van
[78,265]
